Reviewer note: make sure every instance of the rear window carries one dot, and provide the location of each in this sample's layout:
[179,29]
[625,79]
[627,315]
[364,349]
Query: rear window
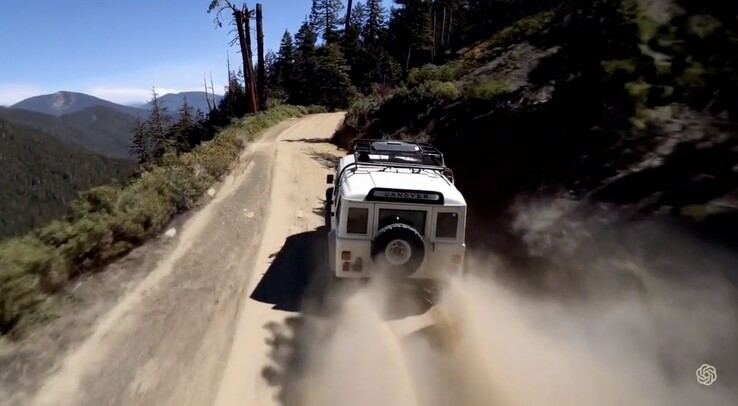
[356,221]
[413,218]
[446,225]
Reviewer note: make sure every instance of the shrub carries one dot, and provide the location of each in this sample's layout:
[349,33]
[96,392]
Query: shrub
[108,221]
[434,73]
[361,108]
[436,89]
[488,90]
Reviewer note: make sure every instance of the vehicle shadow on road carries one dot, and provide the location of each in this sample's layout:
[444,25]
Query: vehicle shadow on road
[298,273]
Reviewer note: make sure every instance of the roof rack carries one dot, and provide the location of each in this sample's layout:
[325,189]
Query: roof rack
[398,154]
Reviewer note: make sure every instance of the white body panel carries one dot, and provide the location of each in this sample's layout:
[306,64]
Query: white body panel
[353,188]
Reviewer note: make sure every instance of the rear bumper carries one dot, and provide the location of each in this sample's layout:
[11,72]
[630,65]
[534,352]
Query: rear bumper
[441,260]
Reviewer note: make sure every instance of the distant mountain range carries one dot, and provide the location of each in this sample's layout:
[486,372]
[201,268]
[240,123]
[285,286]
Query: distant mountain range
[61,103]
[54,146]
[101,126]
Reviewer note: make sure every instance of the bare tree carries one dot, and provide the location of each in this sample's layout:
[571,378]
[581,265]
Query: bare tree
[240,17]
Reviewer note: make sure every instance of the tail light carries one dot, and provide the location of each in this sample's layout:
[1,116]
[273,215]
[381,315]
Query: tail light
[346,255]
[346,266]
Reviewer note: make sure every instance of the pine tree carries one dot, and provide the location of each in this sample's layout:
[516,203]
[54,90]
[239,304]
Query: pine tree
[184,126]
[333,83]
[374,26]
[141,147]
[352,34]
[358,16]
[300,90]
[324,19]
[284,65]
[233,104]
[411,28]
[158,126]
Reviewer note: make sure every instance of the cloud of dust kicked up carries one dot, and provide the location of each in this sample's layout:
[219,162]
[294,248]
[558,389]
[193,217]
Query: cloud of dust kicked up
[611,314]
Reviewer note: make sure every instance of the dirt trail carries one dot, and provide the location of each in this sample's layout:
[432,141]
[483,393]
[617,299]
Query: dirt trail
[237,314]
[168,342]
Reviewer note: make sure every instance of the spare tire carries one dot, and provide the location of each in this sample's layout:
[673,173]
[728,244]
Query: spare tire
[399,249]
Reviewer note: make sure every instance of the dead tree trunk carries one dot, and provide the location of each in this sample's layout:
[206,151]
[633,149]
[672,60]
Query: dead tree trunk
[207,95]
[241,18]
[261,73]
[253,105]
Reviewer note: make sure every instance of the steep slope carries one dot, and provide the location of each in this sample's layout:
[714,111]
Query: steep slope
[594,100]
[64,102]
[100,129]
[41,175]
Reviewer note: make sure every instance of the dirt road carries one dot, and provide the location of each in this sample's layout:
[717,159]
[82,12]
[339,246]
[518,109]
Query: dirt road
[190,333]
[232,313]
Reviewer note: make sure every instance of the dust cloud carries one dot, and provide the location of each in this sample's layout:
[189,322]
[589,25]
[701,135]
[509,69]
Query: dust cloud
[607,313]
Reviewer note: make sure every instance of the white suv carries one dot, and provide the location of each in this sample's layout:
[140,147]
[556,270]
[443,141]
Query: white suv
[393,206]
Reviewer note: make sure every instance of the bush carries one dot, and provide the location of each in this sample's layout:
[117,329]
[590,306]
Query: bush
[361,108]
[434,73]
[108,221]
[315,109]
[488,90]
[436,89]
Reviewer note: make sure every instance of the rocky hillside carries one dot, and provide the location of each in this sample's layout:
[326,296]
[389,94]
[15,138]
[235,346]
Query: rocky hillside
[629,103]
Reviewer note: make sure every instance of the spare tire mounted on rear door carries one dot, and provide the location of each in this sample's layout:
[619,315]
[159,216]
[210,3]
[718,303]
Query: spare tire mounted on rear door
[399,249]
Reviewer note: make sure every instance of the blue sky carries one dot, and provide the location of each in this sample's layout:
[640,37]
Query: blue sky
[118,50]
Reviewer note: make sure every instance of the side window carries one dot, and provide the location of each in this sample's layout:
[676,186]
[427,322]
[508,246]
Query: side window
[357,220]
[446,225]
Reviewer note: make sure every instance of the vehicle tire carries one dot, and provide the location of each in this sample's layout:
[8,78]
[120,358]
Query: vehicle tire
[398,249]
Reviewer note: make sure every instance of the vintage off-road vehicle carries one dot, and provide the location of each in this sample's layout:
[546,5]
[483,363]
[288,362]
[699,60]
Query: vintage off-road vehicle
[393,207]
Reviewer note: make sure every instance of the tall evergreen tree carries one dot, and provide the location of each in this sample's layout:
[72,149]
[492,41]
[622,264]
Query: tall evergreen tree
[325,20]
[374,25]
[303,78]
[411,28]
[284,63]
[141,147]
[333,83]
[159,124]
[184,126]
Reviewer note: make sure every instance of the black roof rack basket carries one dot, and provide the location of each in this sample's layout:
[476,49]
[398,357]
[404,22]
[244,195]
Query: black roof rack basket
[414,154]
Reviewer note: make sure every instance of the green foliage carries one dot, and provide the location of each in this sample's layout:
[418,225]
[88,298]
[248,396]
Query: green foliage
[429,72]
[436,90]
[316,109]
[361,108]
[98,129]
[324,19]
[40,175]
[108,221]
[488,90]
